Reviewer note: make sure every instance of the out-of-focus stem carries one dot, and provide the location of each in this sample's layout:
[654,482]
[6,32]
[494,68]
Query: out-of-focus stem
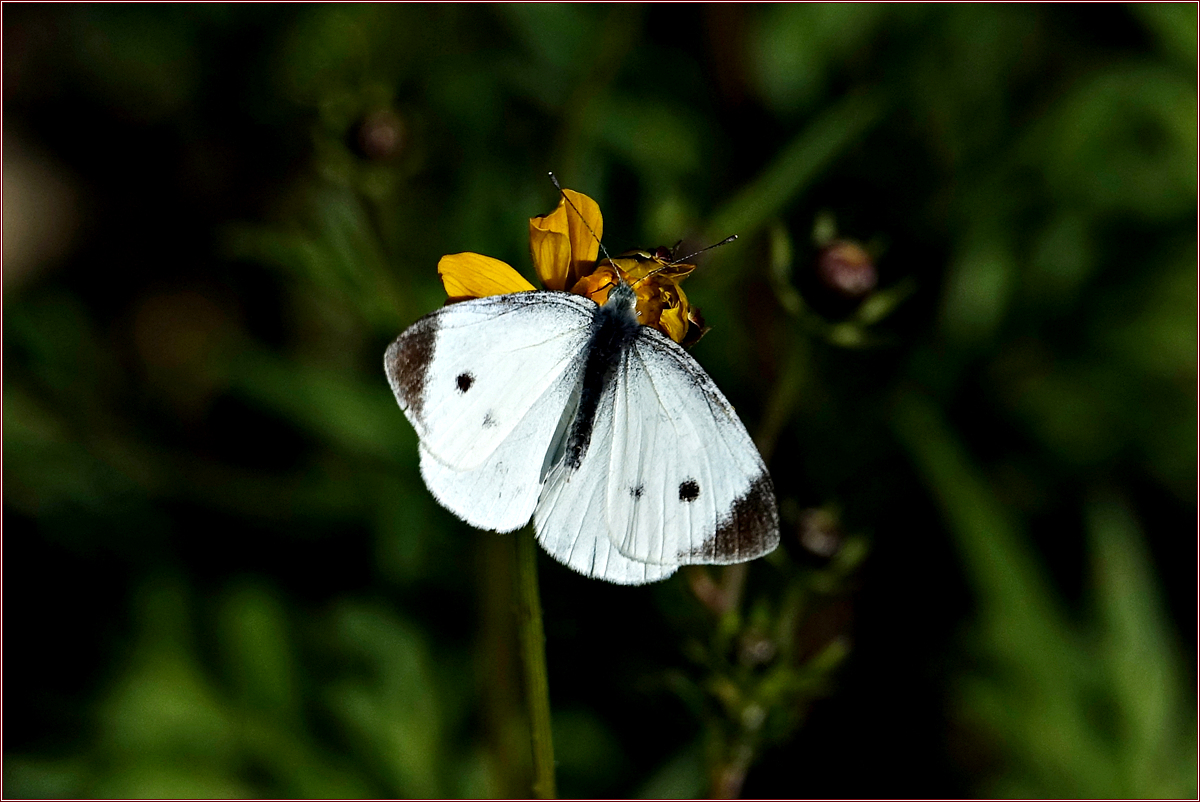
[533,659]
[500,669]
[729,775]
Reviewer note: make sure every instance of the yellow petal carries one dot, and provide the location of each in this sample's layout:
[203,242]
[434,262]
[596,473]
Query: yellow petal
[551,251]
[584,233]
[696,327]
[673,321]
[597,284]
[560,265]
[472,275]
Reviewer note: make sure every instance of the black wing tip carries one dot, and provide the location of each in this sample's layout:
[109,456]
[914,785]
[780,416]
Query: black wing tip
[406,363]
[749,530]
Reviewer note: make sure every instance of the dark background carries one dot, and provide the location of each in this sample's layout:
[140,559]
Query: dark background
[224,577]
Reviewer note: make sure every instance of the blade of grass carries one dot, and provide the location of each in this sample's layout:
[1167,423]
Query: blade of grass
[798,163]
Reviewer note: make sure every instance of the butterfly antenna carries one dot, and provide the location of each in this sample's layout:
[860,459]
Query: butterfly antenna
[658,270]
[725,241]
[558,186]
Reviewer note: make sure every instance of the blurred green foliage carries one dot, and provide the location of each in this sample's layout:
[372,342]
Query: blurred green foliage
[225,576]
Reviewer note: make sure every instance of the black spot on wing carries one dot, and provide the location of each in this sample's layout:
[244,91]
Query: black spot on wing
[750,529]
[637,492]
[489,421]
[688,490]
[464,381]
[406,363]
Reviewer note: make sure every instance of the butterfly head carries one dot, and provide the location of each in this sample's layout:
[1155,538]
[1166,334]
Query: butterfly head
[624,296]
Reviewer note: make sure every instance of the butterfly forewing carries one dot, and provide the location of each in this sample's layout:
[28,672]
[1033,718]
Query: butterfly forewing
[467,374]
[485,384]
[685,482]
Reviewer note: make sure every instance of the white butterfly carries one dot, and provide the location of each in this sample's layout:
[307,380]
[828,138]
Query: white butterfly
[616,442]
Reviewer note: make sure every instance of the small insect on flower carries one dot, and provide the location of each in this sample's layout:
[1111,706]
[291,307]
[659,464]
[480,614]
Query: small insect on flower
[577,406]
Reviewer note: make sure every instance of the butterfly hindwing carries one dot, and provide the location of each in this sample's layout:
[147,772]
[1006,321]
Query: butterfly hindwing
[571,521]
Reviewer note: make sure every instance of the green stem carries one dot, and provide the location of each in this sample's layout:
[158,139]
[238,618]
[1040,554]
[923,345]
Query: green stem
[533,658]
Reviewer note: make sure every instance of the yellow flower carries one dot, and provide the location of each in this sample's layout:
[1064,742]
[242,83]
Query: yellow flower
[660,300]
[564,251]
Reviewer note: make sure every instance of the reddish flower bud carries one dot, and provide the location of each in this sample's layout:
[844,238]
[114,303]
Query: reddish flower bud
[846,268]
[380,135]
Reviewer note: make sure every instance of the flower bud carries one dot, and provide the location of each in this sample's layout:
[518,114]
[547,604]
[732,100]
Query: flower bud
[380,135]
[820,533]
[846,268]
